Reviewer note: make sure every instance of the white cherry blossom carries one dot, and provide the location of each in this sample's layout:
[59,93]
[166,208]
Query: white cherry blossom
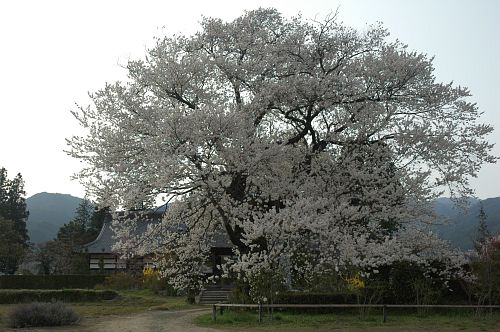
[311,145]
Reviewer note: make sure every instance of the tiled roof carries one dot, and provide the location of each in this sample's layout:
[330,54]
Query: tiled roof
[106,238]
[103,242]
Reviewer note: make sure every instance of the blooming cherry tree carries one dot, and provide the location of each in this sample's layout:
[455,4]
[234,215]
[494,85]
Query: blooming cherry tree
[314,147]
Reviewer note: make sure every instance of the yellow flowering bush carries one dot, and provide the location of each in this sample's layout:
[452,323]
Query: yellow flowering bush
[151,279]
[149,273]
[356,282]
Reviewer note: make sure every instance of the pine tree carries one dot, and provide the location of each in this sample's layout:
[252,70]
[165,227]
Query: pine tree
[83,228]
[16,207]
[485,267]
[11,248]
[483,234]
[4,181]
[84,213]
[96,222]
[15,239]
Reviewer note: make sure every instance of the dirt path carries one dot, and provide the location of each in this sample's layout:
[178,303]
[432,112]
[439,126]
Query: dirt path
[149,321]
[152,321]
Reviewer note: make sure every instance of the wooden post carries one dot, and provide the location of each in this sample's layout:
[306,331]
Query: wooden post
[214,313]
[221,310]
[260,312]
[384,313]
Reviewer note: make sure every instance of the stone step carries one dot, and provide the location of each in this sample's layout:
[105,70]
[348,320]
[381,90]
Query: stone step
[214,296]
[216,292]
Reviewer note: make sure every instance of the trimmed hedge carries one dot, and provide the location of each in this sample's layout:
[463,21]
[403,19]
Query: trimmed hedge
[9,296]
[315,298]
[50,281]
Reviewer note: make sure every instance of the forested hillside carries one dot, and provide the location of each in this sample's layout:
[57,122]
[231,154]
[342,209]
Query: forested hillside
[461,228]
[48,212]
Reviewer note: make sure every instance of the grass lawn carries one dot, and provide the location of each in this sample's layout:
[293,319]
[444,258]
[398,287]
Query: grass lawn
[407,321]
[128,302]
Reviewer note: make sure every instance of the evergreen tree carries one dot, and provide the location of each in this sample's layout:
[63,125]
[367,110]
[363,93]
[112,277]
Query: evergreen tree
[485,267]
[63,252]
[84,213]
[483,234]
[78,231]
[11,248]
[16,207]
[13,214]
[4,181]
[96,222]
[13,203]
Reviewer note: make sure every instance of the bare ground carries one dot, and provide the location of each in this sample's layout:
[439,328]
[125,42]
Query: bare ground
[149,321]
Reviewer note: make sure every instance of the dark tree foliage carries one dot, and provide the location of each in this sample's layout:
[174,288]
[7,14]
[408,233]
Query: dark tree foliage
[483,234]
[86,225]
[96,222]
[62,255]
[11,246]
[13,215]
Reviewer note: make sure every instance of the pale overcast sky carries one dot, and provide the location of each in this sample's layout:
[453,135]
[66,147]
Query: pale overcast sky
[54,52]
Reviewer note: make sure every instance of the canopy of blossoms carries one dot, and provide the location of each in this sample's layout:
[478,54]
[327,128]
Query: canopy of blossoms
[312,146]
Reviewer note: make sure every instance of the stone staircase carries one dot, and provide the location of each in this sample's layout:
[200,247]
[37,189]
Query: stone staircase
[214,295]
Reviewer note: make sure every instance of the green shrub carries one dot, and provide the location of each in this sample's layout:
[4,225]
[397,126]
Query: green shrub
[239,294]
[45,295]
[265,285]
[122,281]
[407,284]
[160,286]
[125,281]
[42,314]
[316,298]
[50,281]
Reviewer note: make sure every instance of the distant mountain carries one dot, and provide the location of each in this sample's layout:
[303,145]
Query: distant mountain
[461,228]
[48,212]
